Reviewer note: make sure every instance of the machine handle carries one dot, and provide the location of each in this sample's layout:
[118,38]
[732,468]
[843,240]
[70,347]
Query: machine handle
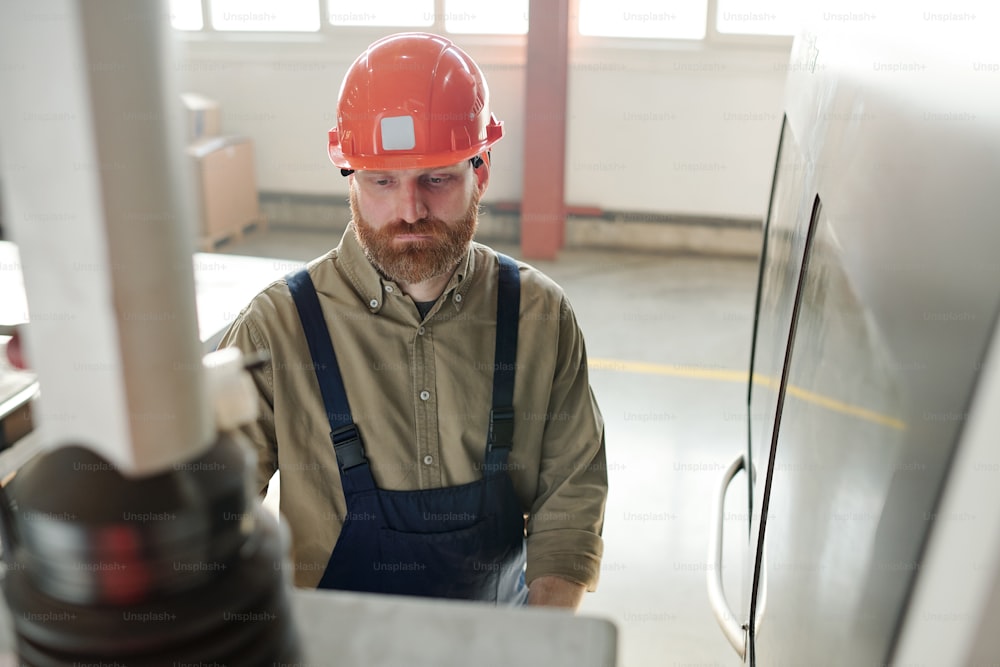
[734,631]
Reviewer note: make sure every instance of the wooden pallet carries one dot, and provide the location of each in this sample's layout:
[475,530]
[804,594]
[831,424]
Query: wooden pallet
[235,235]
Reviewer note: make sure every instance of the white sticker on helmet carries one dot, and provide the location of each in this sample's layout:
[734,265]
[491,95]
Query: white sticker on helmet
[397,133]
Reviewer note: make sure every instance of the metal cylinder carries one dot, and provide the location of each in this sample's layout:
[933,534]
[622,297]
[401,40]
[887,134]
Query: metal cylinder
[183,567]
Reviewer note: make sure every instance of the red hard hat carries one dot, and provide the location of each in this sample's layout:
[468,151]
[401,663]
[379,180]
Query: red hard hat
[412,100]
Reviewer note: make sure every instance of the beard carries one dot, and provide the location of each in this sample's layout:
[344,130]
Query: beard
[416,261]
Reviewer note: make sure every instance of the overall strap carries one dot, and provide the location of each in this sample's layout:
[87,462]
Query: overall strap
[501,433]
[347,443]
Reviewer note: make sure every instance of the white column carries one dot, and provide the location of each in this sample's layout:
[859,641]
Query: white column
[91,153]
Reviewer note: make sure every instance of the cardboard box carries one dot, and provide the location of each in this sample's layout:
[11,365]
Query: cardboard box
[226,187]
[202,117]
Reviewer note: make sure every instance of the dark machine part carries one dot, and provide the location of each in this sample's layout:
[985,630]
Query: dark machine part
[180,567]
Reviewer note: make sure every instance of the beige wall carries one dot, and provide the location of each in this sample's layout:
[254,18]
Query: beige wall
[685,129]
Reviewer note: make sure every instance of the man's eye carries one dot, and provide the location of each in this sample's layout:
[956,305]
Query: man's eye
[382,181]
[436,180]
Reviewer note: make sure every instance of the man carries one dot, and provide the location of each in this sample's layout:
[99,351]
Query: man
[451,380]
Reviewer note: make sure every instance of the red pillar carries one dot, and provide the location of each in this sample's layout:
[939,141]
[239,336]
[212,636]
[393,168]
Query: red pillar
[543,208]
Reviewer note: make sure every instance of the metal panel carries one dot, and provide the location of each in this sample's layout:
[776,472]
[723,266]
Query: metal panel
[342,628]
[838,444]
[782,256]
[954,611]
[899,300]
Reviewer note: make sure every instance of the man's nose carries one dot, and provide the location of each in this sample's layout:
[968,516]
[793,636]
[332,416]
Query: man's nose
[411,206]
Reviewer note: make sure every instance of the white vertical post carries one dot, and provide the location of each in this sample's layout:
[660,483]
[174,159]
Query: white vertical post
[91,154]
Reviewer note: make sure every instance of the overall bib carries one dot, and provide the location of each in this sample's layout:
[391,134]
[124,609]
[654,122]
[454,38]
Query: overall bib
[465,542]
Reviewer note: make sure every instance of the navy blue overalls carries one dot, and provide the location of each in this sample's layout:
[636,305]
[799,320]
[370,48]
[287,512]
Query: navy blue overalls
[464,541]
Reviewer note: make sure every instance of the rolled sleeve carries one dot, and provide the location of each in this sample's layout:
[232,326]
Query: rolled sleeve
[567,518]
[243,334]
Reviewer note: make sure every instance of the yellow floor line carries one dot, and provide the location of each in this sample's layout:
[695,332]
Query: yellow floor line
[699,372]
[702,373]
[846,408]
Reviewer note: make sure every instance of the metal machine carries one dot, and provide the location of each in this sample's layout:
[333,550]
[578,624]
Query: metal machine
[874,535]
[133,537]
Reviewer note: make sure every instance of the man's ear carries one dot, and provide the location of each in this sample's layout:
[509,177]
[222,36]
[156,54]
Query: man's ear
[483,173]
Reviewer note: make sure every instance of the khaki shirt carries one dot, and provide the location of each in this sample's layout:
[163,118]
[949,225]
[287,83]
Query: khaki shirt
[420,392]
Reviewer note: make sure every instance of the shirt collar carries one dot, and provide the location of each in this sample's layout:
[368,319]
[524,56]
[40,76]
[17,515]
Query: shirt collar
[370,286]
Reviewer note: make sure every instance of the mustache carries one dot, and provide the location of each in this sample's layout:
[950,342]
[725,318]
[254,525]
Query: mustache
[434,226]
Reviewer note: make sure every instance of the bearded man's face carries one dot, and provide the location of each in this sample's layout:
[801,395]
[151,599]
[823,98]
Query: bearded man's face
[415,224]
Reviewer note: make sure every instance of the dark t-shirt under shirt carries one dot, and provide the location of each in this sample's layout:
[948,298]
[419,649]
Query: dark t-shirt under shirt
[424,307]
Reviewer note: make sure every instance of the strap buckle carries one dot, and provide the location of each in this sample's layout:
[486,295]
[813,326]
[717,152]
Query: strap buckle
[348,447]
[501,428]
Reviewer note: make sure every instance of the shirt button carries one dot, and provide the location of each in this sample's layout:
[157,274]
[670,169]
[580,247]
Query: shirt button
[373,303]
[420,331]
[424,395]
[388,288]
[428,459]
[458,298]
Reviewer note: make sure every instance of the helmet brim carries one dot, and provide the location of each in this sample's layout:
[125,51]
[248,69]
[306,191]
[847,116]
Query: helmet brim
[393,160]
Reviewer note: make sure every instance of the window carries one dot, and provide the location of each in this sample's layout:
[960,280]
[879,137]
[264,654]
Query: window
[758,17]
[664,19]
[265,15]
[644,19]
[476,16]
[186,14]
[415,13]
[454,16]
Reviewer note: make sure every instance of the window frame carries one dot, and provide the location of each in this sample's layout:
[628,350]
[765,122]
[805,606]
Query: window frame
[206,19]
[741,38]
[712,40]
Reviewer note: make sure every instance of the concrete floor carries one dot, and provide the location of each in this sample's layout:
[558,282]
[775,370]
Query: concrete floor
[656,327]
